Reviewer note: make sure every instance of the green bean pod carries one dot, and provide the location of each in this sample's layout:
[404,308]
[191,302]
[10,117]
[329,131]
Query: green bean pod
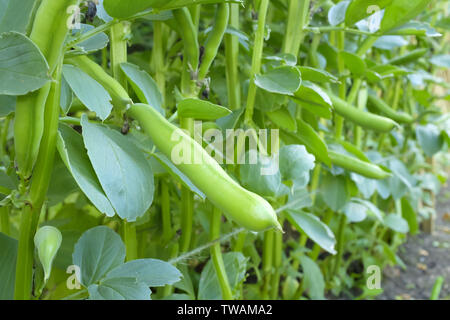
[189,35]
[383,107]
[409,57]
[358,166]
[214,38]
[49,31]
[246,208]
[118,94]
[364,119]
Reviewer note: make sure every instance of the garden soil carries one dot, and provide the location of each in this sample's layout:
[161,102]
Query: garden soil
[426,257]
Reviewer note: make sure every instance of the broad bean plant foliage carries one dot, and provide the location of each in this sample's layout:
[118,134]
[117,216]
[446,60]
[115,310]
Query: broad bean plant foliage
[208,149]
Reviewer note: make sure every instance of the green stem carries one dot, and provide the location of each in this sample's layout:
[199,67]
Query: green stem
[344,29]
[240,242]
[341,243]
[277,263]
[297,21]
[158,57]
[165,209]
[119,34]
[216,255]
[130,239]
[339,121]
[232,61]
[187,217]
[366,45]
[256,61]
[38,191]
[267,262]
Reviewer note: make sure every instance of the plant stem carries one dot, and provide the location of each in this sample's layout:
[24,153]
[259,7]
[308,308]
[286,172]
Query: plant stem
[158,57]
[341,242]
[297,21]
[256,61]
[277,263]
[232,61]
[267,262]
[337,28]
[38,191]
[216,255]
[240,242]
[119,34]
[165,209]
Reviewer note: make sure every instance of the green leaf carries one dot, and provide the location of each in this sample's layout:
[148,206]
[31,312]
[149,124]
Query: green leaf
[430,139]
[354,63]
[89,91]
[7,105]
[94,43]
[400,12]
[47,241]
[16,15]
[123,171]
[371,208]
[410,216]
[314,99]
[317,75]
[337,13]
[235,266]
[361,9]
[177,174]
[73,153]
[442,60]
[145,87]
[314,229]
[24,68]
[390,42]
[355,211]
[283,119]
[8,257]
[335,192]
[315,145]
[151,272]
[396,223]
[66,96]
[313,280]
[97,252]
[119,289]
[295,165]
[285,80]
[416,28]
[201,109]
[253,179]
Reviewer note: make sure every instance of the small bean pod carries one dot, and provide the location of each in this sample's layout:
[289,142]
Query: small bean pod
[355,165]
[189,35]
[383,107]
[214,38]
[364,119]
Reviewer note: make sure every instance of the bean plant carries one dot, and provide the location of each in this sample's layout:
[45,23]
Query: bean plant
[212,149]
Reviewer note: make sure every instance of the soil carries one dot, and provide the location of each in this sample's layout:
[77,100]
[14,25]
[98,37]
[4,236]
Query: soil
[426,256]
